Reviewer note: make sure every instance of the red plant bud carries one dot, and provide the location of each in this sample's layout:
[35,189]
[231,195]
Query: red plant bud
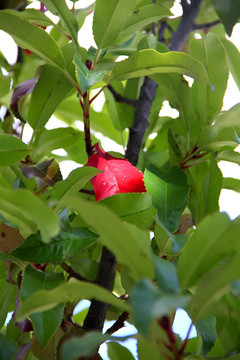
[119,175]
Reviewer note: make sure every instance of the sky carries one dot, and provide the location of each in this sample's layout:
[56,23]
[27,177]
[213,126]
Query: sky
[229,200]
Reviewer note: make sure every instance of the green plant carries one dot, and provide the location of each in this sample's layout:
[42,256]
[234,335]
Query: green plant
[141,250]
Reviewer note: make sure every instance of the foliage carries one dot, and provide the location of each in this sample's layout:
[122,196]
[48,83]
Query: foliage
[152,239]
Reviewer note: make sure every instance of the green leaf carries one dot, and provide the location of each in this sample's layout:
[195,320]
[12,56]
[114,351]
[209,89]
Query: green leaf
[5,301]
[231,184]
[72,184]
[8,348]
[32,37]
[146,349]
[222,132]
[109,19]
[45,323]
[230,155]
[229,13]
[207,329]
[132,207]
[74,290]
[51,88]
[179,94]
[60,8]
[212,187]
[233,59]
[34,16]
[84,346]
[12,149]
[166,275]
[5,82]
[129,243]
[114,112]
[209,101]
[117,351]
[207,247]
[148,62]
[86,77]
[25,210]
[148,303]
[170,194]
[67,244]
[213,286]
[144,16]
[53,139]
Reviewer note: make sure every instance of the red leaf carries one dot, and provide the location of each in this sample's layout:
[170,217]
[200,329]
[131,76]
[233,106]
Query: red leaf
[119,176]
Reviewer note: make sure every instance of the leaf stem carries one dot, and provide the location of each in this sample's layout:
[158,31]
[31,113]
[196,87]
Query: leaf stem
[88,143]
[181,351]
[96,95]
[74,84]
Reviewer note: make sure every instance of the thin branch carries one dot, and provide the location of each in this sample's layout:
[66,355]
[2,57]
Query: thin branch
[87,191]
[72,273]
[149,87]
[206,25]
[121,99]
[98,310]
[181,351]
[119,323]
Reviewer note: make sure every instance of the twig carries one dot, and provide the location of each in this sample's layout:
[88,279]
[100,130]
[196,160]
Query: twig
[87,191]
[98,310]
[181,351]
[72,273]
[119,323]
[206,25]
[121,99]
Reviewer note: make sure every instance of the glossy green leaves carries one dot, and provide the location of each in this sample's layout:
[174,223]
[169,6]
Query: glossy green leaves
[229,13]
[169,190]
[11,149]
[86,77]
[25,210]
[109,19]
[149,62]
[44,323]
[135,254]
[62,247]
[43,300]
[31,37]
[206,247]
[60,8]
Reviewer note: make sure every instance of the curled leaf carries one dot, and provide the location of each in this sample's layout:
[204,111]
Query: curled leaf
[21,90]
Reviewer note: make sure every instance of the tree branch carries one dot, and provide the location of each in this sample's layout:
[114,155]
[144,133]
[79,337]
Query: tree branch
[119,323]
[206,25]
[98,310]
[72,273]
[121,99]
[149,87]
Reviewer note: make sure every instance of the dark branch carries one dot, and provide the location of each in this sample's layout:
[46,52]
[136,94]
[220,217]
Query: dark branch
[119,323]
[149,87]
[186,25]
[87,191]
[206,25]
[121,99]
[140,123]
[72,273]
[98,310]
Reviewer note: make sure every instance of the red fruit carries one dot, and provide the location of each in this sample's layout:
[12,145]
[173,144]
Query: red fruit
[119,176]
